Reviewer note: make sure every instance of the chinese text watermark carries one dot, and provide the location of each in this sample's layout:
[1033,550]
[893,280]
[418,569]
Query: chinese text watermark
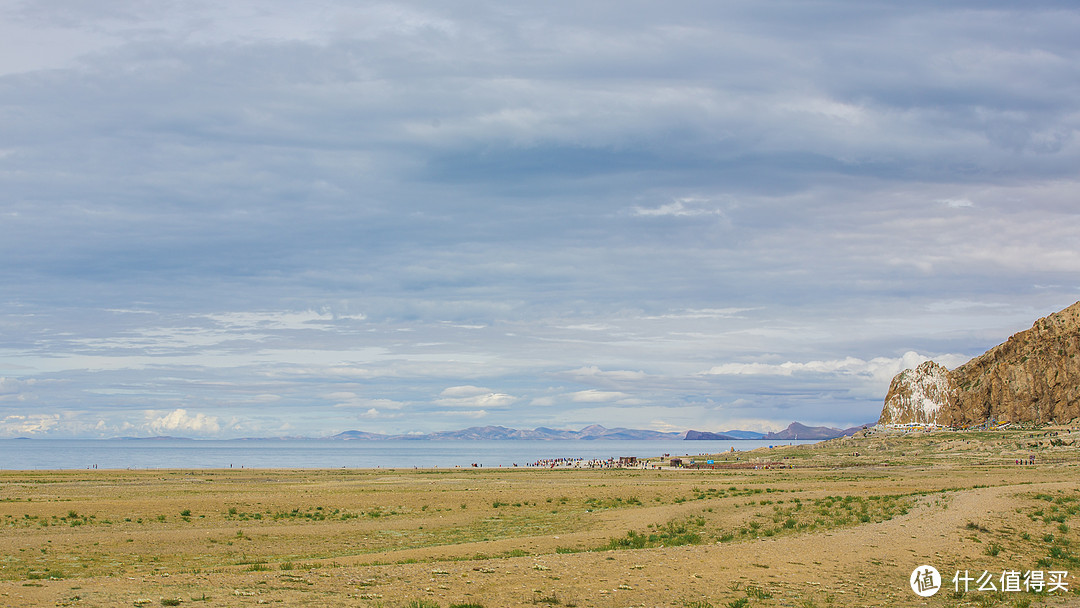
[926,581]
[1012,580]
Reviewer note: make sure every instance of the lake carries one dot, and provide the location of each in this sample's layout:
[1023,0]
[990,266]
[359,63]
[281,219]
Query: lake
[22,454]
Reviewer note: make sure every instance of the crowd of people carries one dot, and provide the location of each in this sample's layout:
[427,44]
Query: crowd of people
[575,463]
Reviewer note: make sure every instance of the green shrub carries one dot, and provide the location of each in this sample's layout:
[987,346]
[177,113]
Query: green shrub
[671,534]
[757,593]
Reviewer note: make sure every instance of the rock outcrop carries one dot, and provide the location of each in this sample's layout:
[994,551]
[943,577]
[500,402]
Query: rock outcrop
[1033,377]
[918,395]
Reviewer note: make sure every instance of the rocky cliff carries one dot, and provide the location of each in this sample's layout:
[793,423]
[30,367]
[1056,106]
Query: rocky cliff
[918,395]
[1033,377]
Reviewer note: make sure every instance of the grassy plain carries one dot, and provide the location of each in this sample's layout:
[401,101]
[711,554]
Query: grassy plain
[844,526]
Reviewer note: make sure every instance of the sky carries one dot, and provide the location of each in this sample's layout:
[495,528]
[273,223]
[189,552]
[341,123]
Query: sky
[242,219]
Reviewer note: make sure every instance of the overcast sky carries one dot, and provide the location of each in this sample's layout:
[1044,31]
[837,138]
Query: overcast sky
[228,219]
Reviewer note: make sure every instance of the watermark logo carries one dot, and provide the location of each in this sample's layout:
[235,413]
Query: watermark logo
[1013,580]
[925,581]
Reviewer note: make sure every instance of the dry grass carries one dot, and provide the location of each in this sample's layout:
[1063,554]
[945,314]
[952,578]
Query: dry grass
[838,529]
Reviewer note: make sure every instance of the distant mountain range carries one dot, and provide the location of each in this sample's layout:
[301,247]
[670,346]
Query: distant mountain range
[590,433]
[596,432]
[794,430]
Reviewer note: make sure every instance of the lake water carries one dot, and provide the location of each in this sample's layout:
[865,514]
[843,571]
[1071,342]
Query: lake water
[21,454]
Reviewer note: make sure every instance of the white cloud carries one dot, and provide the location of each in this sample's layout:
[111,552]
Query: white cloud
[180,420]
[277,320]
[879,369]
[157,340]
[352,400]
[956,203]
[467,414]
[585,396]
[685,207]
[749,424]
[704,313]
[469,396]
[377,414]
[474,397]
[589,327]
[952,306]
[464,391]
[665,427]
[827,108]
[593,371]
[31,424]
[596,396]
[12,389]
[331,371]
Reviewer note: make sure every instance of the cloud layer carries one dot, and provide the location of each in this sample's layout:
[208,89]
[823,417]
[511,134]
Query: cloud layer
[259,218]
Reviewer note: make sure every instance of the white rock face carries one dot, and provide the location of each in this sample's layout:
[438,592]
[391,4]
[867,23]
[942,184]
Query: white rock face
[918,395]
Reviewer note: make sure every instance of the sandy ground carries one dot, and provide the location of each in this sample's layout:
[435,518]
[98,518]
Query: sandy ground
[838,529]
